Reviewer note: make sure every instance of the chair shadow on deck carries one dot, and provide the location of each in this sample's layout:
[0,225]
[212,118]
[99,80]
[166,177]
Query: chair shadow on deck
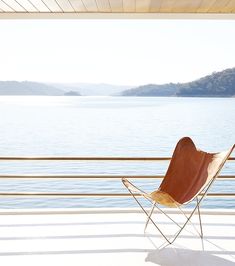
[186,257]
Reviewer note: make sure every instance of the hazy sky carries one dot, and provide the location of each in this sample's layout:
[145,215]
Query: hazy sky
[128,52]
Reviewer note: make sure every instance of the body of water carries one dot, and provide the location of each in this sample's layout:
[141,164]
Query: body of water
[106,126]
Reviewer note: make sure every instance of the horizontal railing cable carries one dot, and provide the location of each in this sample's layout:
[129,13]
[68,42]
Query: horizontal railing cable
[60,158]
[71,176]
[82,195]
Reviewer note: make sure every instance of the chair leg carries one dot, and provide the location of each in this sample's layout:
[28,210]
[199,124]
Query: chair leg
[200,219]
[188,220]
[149,216]
[198,208]
[199,216]
[168,216]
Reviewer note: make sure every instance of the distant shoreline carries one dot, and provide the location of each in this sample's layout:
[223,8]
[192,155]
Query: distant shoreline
[113,96]
[217,85]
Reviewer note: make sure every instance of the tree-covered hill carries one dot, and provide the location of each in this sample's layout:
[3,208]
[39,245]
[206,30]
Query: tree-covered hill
[153,90]
[218,84]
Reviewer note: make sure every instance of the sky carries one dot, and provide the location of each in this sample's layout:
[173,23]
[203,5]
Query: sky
[121,52]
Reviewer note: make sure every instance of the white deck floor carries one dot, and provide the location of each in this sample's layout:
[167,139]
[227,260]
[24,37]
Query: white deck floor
[111,238]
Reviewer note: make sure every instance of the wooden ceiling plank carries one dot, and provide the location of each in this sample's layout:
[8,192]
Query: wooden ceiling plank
[129,5]
[41,7]
[205,6]
[143,6]
[230,7]
[187,6]
[27,5]
[218,6]
[14,5]
[167,6]
[65,5]
[78,5]
[5,7]
[155,5]
[103,5]
[52,5]
[116,6]
[90,5]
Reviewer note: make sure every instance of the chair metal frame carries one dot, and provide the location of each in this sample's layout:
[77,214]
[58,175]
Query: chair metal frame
[188,218]
[199,198]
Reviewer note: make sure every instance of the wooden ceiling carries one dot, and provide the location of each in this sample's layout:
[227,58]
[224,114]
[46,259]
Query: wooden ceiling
[116,6]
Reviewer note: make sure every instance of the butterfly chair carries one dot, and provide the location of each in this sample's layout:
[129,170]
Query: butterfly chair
[190,174]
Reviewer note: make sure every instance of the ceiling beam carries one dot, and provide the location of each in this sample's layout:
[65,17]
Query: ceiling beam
[87,15]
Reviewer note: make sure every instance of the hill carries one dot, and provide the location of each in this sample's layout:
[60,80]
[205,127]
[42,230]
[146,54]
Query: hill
[92,89]
[54,89]
[153,90]
[218,84]
[28,88]
[72,93]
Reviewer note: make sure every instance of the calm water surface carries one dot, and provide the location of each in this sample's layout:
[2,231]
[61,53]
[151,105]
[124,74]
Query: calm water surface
[106,126]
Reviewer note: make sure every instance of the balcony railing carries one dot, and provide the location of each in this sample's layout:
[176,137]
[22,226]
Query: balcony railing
[94,177]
